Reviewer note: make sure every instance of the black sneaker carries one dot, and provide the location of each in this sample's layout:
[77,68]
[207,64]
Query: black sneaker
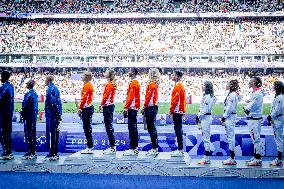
[26,155]
[46,157]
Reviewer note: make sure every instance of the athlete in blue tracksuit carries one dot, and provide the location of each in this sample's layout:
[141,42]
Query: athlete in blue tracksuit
[229,118]
[29,113]
[253,111]
[276,117]
[6,114]
[53,113]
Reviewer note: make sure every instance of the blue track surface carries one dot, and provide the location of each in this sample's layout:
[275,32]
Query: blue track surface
[45,180]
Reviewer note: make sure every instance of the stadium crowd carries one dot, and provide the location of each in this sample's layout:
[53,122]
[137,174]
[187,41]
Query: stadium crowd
[95,6]
[70,85]
[230,6]
[142,36]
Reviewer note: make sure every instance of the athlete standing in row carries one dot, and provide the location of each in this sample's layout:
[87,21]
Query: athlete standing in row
[276,117]
[253,110]
[6,114]
[107,106]
[150,108]
[86,110]
[131,107]
[205,118]
[29,114]
[177,110]
[229,118]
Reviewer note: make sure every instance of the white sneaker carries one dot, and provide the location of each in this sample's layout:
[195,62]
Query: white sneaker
[177,153]
[230,161]
[87,151]
[29,157]
[204,161]
[251,159]
[255,162]
[131,152]
[276,162]
[152,152]
[7,157]
[109,151]
[54,158]
[32,156]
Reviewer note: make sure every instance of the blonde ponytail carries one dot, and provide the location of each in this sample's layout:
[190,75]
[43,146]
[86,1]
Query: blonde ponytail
[154,75]
[112,77]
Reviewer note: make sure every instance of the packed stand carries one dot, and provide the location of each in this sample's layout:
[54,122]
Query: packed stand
[55,6]
[122,6]
[143,6]
[231,6]
[142,36]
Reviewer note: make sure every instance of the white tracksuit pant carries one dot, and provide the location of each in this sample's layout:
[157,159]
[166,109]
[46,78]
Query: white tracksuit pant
[205,126]
[255,129]
[230,130]
[278,131]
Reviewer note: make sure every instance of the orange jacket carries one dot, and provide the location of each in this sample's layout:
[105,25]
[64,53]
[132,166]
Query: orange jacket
[108,94]
[178,100]
[133,96]
[87,95]
[151,97]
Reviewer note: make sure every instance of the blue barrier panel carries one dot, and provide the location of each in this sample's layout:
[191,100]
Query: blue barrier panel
[72,139]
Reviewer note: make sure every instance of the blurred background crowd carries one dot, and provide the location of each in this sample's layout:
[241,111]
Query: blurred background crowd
[114,6]
[70,84]
[142,36]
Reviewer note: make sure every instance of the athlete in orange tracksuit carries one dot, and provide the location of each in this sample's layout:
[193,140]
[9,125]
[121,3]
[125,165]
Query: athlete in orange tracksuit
[177,110]
[87,109]
[131,107]
[150,108]
[107,104]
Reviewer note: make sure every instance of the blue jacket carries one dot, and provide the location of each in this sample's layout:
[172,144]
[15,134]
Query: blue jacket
[6,99]
[30,106]
[53,106]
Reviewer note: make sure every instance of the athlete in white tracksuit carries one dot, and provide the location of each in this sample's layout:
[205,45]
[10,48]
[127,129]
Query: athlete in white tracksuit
[205,118]
[254,117]
[276,117]
[229,118]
